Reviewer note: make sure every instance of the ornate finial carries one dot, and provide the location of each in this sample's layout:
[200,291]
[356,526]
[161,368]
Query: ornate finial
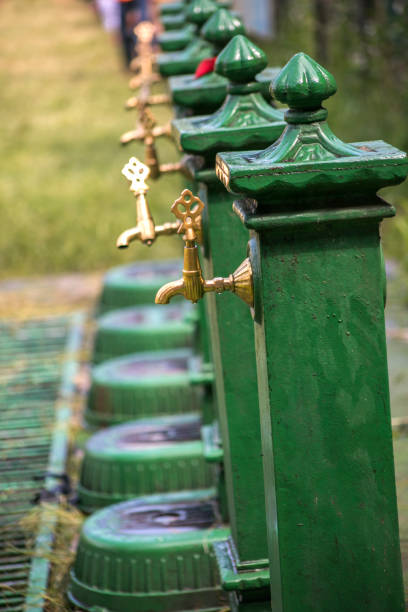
[221,27]
[308,139]
[200,10]
[241,60]
[303,84]
[136,173]
[188,209]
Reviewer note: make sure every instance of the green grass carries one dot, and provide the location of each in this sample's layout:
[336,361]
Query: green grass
[63,199]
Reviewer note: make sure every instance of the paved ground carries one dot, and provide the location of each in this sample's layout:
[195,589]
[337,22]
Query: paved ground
[25,298]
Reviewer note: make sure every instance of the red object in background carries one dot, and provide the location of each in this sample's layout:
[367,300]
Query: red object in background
[205,66]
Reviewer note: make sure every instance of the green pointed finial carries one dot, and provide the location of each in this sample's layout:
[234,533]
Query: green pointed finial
[221,27]
[303,84]
[199,11]
[241,60]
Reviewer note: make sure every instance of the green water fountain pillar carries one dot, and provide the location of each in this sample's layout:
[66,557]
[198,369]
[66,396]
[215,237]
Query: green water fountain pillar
[310,203]
[206,93]
[244,120]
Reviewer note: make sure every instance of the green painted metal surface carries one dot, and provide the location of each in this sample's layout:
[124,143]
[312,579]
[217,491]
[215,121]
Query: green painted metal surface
[144,385]
[187,60]
[232,335]
[177,7]
[205,94]
[149,557]
[321,356]
[143,457]
[231,325]
[173,22]
[199,11]
[144,328]
[244,120]
[221,27]
[135,284]
[170,8]
[176,40]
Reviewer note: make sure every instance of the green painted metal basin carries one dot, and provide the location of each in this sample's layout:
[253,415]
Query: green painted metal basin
[144,457]
[143,385]
[136,284]
[144,328]
[149,557]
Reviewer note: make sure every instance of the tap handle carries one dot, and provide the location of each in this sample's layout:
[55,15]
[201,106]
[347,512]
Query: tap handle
[136,172]
[145,230]
[145,31]
[188,208]
[148,122]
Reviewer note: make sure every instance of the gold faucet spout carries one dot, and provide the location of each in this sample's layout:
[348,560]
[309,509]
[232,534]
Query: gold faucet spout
[168,291]
[148,236]
[127,237]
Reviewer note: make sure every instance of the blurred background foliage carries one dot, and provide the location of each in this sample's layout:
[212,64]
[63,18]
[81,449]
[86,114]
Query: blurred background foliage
[63,199]
[364,43]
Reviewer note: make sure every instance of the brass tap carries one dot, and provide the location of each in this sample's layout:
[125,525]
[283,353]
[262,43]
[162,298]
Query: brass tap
[151,156]
[145,230]
[144,32]
[139,133]
[146,129]
[144,77]
[192,285]
[144,61]
[137,102]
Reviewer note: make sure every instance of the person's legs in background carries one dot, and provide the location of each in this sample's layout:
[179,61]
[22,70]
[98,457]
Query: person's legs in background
[129,18]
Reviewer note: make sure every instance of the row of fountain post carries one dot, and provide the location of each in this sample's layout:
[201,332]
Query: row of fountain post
[243,458]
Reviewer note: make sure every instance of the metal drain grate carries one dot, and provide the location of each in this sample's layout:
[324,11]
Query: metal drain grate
[37,368]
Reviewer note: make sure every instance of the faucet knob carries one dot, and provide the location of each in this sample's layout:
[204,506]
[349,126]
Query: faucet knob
[145,31]
[188,208]
[136,173]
